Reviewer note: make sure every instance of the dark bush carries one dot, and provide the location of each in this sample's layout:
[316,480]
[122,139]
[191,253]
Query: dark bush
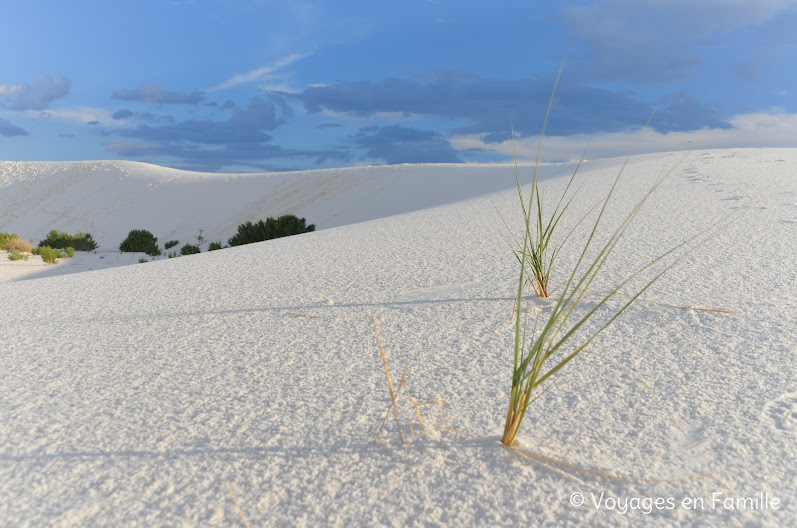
[188,249]
[213,246]
[283,226]
[170,244]
[61,240]
[140,241]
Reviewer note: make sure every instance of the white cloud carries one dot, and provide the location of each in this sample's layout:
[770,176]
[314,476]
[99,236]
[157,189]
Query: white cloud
[37,96]
[8,90]
[265,73]
[761,129]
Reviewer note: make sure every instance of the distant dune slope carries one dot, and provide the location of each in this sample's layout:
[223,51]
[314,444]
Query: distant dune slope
[109,198]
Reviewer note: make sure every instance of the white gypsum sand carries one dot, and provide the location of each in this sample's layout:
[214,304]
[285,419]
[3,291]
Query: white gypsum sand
[132,395]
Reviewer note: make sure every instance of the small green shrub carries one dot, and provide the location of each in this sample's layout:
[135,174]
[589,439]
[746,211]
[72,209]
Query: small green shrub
[189,249]
[70,252]
[48,254]
[142,260]
[286,225]
[11,242]
[172,254]
[16,255]
[60,240]
[213,246]
[140,241]
[170,244]
[5,238]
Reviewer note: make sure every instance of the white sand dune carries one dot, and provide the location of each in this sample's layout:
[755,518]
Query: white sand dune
[131,395]
[109,198]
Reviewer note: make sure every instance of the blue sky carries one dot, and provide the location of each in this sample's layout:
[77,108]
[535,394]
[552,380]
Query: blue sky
[243,85]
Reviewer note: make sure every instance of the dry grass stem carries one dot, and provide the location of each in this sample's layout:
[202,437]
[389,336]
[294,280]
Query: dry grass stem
[330,301]
[389,382]
[393,406]
[237,506]
[395,394]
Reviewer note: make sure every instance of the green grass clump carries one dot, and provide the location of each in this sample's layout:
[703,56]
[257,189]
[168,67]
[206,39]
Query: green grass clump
[48,254]
[189,249]
[214,246]
[61,240]
[541,351]
[539,248]
[140,241]
[16,255]
[286,225]
[170,244]
[69,251]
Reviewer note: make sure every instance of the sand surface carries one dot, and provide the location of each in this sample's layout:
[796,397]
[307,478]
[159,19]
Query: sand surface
[131,395]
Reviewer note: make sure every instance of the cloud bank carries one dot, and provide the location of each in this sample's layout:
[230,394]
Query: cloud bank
[757,129]
[490,106]
[206,144]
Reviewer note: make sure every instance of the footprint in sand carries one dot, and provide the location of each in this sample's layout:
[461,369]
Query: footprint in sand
[783,412]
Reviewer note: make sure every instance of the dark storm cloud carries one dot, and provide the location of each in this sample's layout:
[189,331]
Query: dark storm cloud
[152,93]
[122,114]
[682,112]
[491,106]
[398,144]
[244,126]
[210,145]
[9,130]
